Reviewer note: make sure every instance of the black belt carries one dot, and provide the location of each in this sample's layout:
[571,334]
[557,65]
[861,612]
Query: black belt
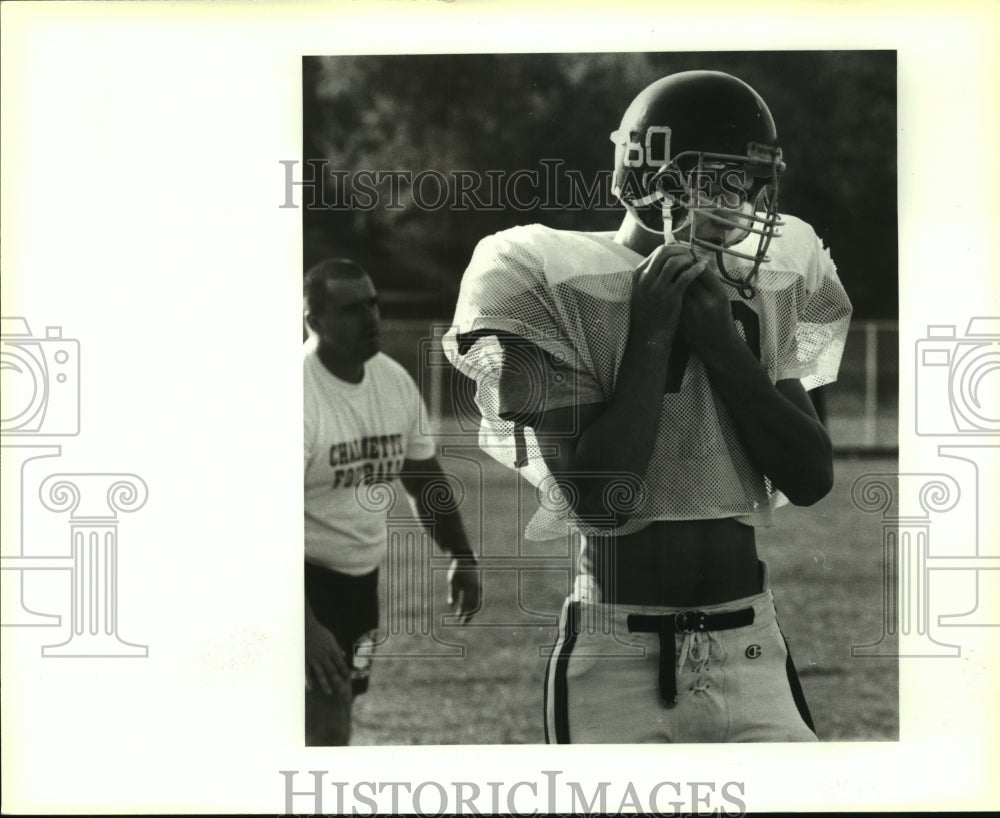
[666,625]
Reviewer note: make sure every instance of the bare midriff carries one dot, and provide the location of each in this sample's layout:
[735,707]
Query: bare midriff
[677,563]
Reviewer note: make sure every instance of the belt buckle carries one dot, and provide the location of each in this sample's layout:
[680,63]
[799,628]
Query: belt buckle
[686,621]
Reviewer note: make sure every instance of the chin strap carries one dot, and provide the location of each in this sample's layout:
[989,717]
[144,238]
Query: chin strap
[742,286]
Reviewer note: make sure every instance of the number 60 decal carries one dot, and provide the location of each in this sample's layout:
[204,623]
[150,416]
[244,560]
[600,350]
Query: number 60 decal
[655,153]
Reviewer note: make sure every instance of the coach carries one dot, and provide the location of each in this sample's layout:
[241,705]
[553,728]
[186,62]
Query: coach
[361,416]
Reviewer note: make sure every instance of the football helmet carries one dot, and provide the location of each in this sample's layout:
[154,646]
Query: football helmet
[697,160]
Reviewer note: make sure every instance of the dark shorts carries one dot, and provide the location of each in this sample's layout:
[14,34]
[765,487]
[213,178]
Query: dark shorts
[348,606]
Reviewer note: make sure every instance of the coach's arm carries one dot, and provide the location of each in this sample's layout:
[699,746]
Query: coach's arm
[438,511]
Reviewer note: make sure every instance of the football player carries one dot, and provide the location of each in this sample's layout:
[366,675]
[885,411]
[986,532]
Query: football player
[652,382]
[361,430]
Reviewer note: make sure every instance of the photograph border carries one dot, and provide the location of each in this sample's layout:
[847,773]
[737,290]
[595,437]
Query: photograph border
[136,223]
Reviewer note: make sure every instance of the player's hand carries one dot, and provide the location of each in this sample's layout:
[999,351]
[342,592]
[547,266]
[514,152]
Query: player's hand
[658,290]
[325,661]
[464,587]
[706,315]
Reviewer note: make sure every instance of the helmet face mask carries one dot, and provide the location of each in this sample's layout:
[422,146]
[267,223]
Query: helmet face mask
[697,161]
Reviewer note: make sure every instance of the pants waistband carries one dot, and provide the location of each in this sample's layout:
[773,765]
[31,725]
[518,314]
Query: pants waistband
[762,605]
[587,592]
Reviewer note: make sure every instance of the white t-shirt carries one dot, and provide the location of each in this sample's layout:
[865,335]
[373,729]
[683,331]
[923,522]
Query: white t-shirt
[356,439]
[568,293]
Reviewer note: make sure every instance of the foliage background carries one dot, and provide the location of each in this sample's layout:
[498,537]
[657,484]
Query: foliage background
[835,111]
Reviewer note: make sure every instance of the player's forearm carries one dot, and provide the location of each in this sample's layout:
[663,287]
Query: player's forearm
[620,441]
[785,442]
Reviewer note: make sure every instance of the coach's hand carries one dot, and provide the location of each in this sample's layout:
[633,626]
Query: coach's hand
[325,661]
[706,316]
[464,587]
[658,290]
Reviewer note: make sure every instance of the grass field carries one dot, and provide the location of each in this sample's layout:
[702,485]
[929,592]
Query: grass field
[826,572]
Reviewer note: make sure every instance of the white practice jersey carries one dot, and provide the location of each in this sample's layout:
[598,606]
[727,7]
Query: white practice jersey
[568,294]
[357,437]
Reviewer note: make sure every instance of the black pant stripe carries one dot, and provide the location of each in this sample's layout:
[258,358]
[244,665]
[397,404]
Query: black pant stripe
[793,682]
[560,691]
[796,686]
[545,701]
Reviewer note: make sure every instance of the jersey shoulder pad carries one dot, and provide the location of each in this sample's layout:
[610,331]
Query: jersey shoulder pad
[798,250]
[503,262]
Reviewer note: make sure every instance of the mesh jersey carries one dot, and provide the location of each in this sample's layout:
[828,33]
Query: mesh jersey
[568,293]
